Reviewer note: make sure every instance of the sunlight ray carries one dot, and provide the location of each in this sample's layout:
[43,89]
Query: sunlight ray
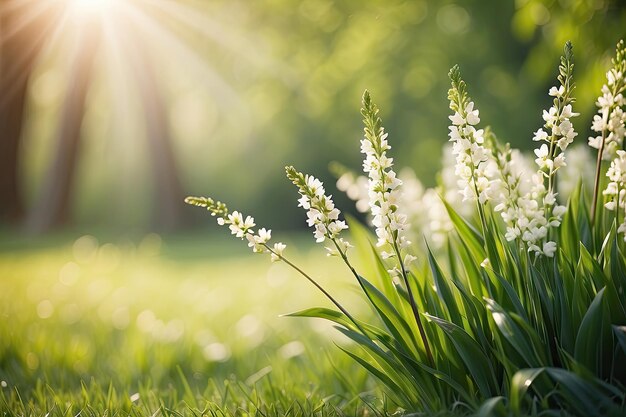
[227,38]
[121,93]
[184,53]
[16,74]
[12,6]
[26,17]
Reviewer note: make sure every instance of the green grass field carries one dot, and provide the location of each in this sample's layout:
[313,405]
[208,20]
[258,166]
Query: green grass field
[179,326]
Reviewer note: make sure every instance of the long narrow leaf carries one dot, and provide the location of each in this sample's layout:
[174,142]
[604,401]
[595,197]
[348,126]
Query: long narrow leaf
[473,356]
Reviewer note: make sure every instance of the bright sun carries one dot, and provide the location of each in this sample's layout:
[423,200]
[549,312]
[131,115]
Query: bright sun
[90,6]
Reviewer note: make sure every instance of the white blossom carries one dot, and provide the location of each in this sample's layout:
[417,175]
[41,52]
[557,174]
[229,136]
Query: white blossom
[277,251]
[609,123]
[529,208]
[383,184]
[240,226]
[615,192]
[472,156]
[321,212]
[237,225]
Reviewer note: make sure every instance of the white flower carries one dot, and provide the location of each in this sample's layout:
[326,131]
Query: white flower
[554,92]
[472,115]
[542,156]
[242,228]
[615,191]
[384,186]
[277,251]
[239,226]
[559,161]
[409,259]
[538,209]
[610,120]
[264,235]
[540,134]
[468,147]
[558,211]
[549,248]
[457,119]
[341,247]
[529,207]
[321,212]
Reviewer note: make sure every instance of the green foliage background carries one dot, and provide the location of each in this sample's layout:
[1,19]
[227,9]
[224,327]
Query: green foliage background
[258,85]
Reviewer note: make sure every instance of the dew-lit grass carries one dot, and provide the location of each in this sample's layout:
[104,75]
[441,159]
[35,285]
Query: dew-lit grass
[169,326]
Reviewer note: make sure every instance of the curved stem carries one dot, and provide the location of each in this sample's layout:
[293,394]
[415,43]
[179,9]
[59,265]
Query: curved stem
[414,306]
[596,184]
[319,287]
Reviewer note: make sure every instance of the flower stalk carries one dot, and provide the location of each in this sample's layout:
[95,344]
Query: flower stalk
[384,194]
[610,120]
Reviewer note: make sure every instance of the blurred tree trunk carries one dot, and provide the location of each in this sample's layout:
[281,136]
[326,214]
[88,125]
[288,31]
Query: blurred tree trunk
[52,207]
[23,31]
[168,189]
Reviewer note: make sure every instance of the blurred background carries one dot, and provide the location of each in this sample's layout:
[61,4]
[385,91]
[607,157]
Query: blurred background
[111,111]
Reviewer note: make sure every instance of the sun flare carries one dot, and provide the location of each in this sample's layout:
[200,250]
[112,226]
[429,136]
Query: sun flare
[90,6]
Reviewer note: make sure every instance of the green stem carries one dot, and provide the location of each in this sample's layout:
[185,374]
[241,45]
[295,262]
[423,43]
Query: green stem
[596,184]
[414,305]
[617,207]
[319,287]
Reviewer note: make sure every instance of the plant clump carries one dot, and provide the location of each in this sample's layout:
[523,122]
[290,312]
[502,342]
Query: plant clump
[511,300]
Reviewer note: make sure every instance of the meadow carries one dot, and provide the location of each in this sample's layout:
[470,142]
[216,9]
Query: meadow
[168,327]
[472,256]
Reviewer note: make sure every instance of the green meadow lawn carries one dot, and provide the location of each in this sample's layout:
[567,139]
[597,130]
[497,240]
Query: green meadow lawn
[179,326]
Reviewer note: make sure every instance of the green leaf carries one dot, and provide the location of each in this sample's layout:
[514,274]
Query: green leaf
[395,323]
[520,383]
[395,391]
[620,335]
[475,277]
[512,296]
[391,365]
[472,354]
[341,319]
[582,396]
[585,396]
[467,233]
[524,340]
[443,289]
[492,407]
[594,335]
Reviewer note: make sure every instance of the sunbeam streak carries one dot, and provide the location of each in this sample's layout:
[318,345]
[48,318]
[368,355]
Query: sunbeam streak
[204,73]
[231,40]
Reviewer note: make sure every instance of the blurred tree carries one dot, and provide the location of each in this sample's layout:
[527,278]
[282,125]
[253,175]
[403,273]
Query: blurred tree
[169,192]
[53,205]
[24,28]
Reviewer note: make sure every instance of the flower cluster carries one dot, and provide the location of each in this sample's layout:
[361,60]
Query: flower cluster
[519,203]
[529,207]
[559,131]
[610,120]
[383,184]
[468,143]
[321,211]
[240,226]
[615,191]
[423,208]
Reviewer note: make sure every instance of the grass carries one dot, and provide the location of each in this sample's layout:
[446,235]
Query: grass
[180,326]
